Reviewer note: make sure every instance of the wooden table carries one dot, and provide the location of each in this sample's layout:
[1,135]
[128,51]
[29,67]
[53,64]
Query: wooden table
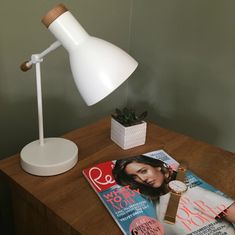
[66,204]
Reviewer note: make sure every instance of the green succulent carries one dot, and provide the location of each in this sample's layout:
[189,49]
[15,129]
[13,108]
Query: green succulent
[128,117]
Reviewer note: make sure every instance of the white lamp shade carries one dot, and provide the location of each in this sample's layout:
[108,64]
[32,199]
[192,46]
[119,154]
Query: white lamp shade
[98,66]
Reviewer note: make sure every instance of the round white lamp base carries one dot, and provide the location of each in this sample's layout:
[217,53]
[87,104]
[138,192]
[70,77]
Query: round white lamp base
[54,157]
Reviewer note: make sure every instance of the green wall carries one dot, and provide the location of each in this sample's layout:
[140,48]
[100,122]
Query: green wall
[186,77]
[23,34]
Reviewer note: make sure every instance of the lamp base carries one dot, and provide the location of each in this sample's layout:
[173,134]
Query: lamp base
[54,157]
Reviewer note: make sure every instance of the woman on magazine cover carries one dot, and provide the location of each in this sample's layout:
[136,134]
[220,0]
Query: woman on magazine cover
[151,176]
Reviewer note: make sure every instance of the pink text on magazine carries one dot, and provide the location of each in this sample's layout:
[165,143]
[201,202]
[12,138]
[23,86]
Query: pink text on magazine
[199,214]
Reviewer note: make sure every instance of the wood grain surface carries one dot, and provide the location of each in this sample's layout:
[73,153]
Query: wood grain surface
[66,204]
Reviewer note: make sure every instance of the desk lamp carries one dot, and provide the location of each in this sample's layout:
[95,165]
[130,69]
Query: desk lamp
[98,68]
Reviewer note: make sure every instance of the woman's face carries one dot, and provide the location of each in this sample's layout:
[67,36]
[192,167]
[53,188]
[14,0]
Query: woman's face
[145,174]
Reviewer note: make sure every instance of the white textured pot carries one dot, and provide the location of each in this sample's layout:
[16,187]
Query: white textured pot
[128,137]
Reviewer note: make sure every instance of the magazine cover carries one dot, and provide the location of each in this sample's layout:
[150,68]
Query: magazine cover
[135,192]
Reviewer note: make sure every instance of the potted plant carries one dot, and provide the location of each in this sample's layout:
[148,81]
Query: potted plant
[128,129]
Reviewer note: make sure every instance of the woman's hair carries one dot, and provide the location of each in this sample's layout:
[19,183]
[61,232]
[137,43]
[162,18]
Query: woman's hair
[123,179]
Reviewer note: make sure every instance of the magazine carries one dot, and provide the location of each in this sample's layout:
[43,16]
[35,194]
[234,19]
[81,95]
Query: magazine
[138,204]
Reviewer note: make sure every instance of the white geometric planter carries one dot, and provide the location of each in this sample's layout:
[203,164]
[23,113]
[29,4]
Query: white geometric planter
[128,137]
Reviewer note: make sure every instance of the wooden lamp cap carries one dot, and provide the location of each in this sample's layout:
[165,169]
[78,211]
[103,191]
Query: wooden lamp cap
[53,14]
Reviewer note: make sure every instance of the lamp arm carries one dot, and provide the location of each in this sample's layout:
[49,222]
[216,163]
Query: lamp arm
[37,59]
[39,102]
[28,64]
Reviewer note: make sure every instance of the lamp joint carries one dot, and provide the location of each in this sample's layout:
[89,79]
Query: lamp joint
[35,58]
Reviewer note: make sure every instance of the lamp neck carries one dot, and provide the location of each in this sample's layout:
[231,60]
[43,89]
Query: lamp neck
[68,31]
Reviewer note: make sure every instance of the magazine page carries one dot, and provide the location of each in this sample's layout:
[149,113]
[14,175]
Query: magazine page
[135,192]
[132,212]
[198,207]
